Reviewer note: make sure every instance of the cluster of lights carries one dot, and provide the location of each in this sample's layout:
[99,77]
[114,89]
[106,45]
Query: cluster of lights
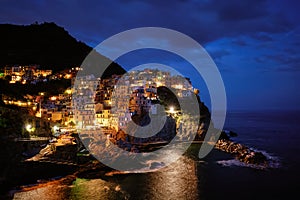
[53,98]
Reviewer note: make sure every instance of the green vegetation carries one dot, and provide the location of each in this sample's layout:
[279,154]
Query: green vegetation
[11,123]
[167,98]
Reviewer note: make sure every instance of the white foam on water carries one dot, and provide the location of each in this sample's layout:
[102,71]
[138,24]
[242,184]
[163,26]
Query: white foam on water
[151,166]
[235,162]
[273,162]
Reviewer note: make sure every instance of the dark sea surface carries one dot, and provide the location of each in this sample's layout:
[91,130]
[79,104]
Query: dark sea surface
[277,133]
[217,176]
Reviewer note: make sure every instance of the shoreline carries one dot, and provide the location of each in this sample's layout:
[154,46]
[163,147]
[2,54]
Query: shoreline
[34,176]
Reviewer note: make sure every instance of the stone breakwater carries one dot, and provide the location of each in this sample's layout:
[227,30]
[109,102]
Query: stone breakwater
[243,153]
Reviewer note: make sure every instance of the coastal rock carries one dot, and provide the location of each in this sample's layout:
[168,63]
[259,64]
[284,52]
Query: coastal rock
[241,152]
[254,158]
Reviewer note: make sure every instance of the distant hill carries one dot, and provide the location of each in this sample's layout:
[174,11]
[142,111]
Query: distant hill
[47,45]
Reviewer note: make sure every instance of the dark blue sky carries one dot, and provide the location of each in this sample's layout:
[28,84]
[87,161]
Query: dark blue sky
[255,43]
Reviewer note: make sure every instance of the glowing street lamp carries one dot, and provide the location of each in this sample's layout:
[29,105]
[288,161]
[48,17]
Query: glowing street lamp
[171,110]
[29,128]
[69,91]
[55,128]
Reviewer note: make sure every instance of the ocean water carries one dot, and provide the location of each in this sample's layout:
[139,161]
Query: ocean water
[276,133]
[217,176]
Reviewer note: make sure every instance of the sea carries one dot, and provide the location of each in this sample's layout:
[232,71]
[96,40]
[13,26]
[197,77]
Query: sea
[217,176]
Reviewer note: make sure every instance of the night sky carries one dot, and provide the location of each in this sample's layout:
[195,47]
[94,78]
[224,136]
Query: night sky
[255,43]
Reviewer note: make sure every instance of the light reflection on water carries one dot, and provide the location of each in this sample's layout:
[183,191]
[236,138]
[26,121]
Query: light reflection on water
[49,192]
[177,181]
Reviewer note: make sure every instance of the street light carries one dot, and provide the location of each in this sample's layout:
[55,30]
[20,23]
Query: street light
[28,127]
[69,91]
[55,128]
[172,109]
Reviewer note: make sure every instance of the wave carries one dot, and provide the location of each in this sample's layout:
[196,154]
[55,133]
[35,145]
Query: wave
[151,166]
[273,162]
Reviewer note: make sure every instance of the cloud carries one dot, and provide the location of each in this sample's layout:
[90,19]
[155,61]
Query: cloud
[243,37]
[240,42]
[219,54]
[242,10]
[264,37]
[204,21]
